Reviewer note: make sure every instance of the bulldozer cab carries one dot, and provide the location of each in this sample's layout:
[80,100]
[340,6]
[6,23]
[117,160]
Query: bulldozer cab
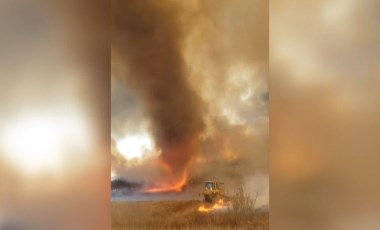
[209,185]
[212,185]
[213,191]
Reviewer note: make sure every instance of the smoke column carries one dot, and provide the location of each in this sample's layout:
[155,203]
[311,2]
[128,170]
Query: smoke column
[147,54]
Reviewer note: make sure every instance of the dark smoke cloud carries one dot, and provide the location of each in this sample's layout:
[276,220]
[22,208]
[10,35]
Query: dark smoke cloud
[182,63]
[147,39]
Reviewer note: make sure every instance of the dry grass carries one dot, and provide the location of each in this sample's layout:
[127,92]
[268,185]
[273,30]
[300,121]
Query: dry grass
[242,201]
[181,215]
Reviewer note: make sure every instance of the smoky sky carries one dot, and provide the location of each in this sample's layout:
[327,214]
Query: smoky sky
[147,38]
[192,74]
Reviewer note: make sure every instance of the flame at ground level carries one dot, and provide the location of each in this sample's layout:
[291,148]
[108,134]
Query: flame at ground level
[218,206]
[168,187]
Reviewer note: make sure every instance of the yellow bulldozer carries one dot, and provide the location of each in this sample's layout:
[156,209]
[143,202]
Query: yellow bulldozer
[213,192]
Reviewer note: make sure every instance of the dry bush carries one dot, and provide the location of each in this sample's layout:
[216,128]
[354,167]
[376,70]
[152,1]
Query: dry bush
[242,201]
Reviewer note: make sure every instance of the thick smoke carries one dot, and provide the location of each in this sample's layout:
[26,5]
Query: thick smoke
[147,54]
[196,72]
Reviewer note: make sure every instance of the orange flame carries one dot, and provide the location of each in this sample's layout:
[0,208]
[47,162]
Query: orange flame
[220,205]
[169,187]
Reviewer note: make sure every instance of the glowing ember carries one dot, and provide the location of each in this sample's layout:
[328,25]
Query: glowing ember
[219,206]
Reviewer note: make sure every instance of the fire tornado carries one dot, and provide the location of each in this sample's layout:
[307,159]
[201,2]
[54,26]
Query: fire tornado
[147,55]
[189,95]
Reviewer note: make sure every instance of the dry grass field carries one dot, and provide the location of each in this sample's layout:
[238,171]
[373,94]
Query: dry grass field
[181,215]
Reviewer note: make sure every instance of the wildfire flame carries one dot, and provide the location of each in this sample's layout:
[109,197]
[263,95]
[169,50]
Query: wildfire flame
[218,206]
[169,187]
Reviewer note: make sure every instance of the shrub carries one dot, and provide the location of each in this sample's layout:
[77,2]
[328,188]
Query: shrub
[242,201]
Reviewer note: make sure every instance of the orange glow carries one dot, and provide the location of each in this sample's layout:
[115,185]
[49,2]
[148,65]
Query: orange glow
[230,156]
[220,205]
[169,187]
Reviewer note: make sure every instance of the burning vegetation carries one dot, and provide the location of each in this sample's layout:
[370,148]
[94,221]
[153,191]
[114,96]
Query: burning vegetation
[220,205]
[190,214]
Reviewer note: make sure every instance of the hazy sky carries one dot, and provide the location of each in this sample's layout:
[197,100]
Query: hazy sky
[189,86]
